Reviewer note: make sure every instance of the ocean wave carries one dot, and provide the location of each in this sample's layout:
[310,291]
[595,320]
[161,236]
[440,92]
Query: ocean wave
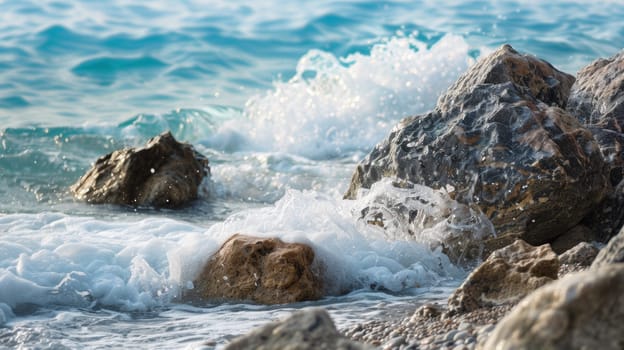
[55,259]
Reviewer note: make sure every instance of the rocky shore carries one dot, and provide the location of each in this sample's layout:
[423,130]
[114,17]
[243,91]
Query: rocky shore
[533,151]
[539,152]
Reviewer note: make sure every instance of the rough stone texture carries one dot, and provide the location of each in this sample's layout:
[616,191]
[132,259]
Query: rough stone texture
[597,100]
[304,330]
[606,220]
[264,270]
[578,233]
[612,253]
[507,275]
[582,254]
[534,78]
[584,310]
[164,173]
[500,137]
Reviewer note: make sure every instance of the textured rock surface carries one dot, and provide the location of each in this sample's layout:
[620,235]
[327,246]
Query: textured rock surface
[501,139]
[264,270]
[584,310]
[582,254]
[304,330]
[597,99]
[606,220]
[507,275]
[164,173]
[613,252]
[578,233]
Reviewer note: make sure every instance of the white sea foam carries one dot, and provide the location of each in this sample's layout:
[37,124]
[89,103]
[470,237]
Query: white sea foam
[55,259]
[334,107]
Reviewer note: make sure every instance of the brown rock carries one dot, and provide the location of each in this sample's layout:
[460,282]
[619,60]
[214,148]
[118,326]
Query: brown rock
[584,310]
[507,275]
[264,270]
[304,330]
[164,173]
[501,139]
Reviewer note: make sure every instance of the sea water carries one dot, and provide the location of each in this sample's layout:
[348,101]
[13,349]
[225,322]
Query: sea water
[284,99]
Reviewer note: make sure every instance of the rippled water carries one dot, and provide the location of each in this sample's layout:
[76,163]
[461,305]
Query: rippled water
[284,98]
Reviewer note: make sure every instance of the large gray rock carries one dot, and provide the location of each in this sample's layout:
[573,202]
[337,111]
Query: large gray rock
[501,139]
[506,276]
[164,173]
[584,310]
[304,330]
[612,253]
[597,100]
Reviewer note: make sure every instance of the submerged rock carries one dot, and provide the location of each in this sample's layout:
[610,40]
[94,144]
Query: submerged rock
[500,138]
[597,100]
[164,173]
[264,270]
[507,275]
[304,330]
[402,210]
[584,310]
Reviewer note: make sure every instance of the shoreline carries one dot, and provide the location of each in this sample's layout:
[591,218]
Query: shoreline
[431,326]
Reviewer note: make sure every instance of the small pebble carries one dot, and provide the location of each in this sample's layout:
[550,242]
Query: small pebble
[451,335]
[461,335]
[464,326]
[394,342]
[427,340]
[486,329]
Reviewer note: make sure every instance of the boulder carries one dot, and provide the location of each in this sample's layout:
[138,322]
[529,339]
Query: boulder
[582,254]
[500,138]
[263,270]
[507,275]
[164,173]
[304,330]
[597,100]
[612,253]
[584,310]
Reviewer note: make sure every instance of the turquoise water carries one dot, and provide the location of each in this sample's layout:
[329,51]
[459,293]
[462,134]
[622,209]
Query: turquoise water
[284,99]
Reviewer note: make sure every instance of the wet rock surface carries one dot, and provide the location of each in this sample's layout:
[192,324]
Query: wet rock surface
[403,210]
[584,310]
[501,139]
[263,270]
[597,100]
[304,330]
[506,276]
[164,173]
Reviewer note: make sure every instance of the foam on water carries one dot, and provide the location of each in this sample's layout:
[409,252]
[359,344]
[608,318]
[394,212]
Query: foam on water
[54,259]
[334,107]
